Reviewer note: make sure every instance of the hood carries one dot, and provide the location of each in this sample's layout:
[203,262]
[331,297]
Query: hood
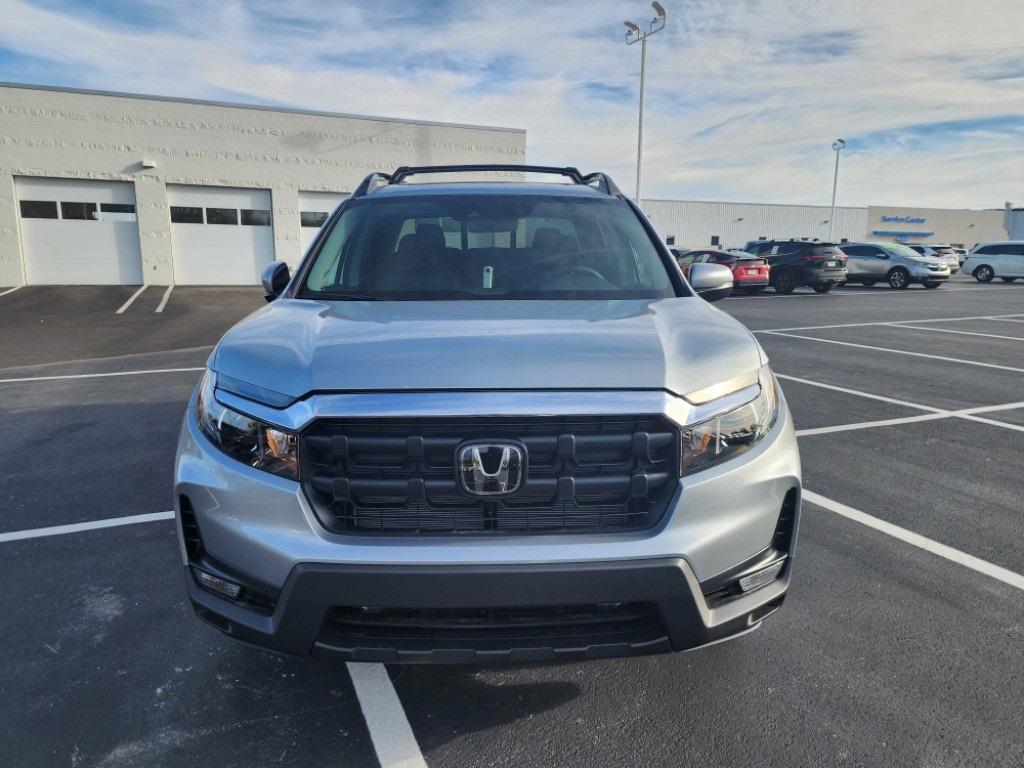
[296,347]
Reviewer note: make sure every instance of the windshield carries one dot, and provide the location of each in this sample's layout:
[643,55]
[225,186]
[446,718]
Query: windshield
[904,251]
[487,247]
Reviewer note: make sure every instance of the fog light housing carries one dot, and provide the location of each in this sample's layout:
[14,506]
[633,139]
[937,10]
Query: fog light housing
[761,578]
[217,585]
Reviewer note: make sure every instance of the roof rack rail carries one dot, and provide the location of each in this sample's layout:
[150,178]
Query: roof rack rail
[371,182]
[375,180]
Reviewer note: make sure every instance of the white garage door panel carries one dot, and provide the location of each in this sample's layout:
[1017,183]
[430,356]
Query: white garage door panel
[322,202]
[220,254]
[79,252]
[212,254]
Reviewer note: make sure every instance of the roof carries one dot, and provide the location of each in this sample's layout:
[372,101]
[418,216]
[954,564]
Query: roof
[257,107]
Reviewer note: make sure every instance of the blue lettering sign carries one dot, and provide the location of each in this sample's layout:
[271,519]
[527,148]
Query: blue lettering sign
[903,220]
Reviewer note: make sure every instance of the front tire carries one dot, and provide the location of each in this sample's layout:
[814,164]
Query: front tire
[868,283]
[822,287]
[755,290]
[1007,279]
[984,274]
[899,278]
[783,282]
[932,285]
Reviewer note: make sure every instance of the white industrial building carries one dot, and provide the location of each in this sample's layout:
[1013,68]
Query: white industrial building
[108,188]
[697,223]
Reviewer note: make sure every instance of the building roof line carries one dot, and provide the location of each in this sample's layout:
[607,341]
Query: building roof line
[258,107]
[732,202]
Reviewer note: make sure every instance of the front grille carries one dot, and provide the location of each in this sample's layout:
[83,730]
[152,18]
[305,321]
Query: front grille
[493,629]
[398,476]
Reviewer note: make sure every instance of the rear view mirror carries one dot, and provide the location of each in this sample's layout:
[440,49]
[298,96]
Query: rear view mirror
[275,279]
[711,281]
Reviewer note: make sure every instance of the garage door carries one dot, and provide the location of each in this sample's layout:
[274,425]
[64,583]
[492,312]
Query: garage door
[77,232]
[220,235]
[314,208]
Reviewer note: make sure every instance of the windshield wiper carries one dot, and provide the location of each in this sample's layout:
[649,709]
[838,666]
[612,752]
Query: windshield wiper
[341,296]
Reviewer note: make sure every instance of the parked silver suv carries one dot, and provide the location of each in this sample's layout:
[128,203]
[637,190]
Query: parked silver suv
[893,263]
[487,421]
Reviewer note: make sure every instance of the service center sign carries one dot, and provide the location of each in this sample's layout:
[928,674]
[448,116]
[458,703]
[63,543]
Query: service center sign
[903,220]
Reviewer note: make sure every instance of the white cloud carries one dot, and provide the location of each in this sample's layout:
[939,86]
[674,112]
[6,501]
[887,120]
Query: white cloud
[744,98]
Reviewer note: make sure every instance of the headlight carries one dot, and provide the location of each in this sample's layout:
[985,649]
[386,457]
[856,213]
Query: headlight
[246,439]
[730,434]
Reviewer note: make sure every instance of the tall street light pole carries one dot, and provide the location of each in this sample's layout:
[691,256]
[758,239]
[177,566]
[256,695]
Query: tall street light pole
[634,34]
[837,147]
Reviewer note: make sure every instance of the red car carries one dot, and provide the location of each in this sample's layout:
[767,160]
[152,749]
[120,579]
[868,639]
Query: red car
[749,273]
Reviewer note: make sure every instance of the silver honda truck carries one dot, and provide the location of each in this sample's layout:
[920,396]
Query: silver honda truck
[487,421]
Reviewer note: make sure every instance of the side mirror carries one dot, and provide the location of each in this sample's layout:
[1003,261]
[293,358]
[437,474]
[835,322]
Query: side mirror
[711,281]
[275,279]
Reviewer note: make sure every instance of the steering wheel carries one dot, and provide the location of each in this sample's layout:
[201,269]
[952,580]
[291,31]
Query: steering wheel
[579,271]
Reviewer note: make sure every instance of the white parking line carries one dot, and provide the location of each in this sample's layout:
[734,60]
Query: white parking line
[128,303]
[870,424]
[961,333]
[970,414]
[1003,318]
[11,290]
[389,728]
[860,393]
[98,375]
[899,352]
[163,301]
[92,525]
[915,539]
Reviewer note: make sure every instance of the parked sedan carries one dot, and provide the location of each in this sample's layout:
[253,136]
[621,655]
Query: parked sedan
[893,263]
[941,252]
[1004,260]
[750,274]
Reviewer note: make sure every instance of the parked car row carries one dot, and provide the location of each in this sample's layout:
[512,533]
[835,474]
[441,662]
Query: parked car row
[788,264]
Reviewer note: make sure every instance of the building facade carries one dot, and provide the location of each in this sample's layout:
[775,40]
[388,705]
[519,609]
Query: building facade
[108,188]
[694,223]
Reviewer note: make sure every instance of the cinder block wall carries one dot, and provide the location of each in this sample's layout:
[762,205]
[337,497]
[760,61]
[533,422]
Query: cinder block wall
[90,135]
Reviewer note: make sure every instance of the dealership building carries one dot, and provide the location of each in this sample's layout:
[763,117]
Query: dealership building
[695,223]
[108,188]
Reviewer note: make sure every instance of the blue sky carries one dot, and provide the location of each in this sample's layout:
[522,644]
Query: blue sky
[744,96]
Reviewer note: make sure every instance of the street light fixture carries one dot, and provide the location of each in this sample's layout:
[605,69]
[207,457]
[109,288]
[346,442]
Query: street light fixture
[635,35]
[837,147]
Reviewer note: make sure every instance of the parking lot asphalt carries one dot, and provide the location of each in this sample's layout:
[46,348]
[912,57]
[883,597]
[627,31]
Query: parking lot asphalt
[890,650]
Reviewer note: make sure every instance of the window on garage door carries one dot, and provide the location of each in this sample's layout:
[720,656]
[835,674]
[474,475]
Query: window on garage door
[255,218]
[82,211]
[117,212]
[38,209]
[186,214]
[312,218]
[222,216]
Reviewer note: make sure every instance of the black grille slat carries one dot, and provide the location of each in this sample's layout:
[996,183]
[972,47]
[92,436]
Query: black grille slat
[398,475]
[483,628]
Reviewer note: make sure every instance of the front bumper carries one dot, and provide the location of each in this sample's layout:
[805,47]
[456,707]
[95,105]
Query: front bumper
[261,531]
[301,623]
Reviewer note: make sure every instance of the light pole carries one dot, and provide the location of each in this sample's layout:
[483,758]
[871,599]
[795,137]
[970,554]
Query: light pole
[837,147]
[635,35]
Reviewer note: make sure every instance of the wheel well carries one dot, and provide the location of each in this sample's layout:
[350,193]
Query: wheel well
[897,268]
[975,272]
